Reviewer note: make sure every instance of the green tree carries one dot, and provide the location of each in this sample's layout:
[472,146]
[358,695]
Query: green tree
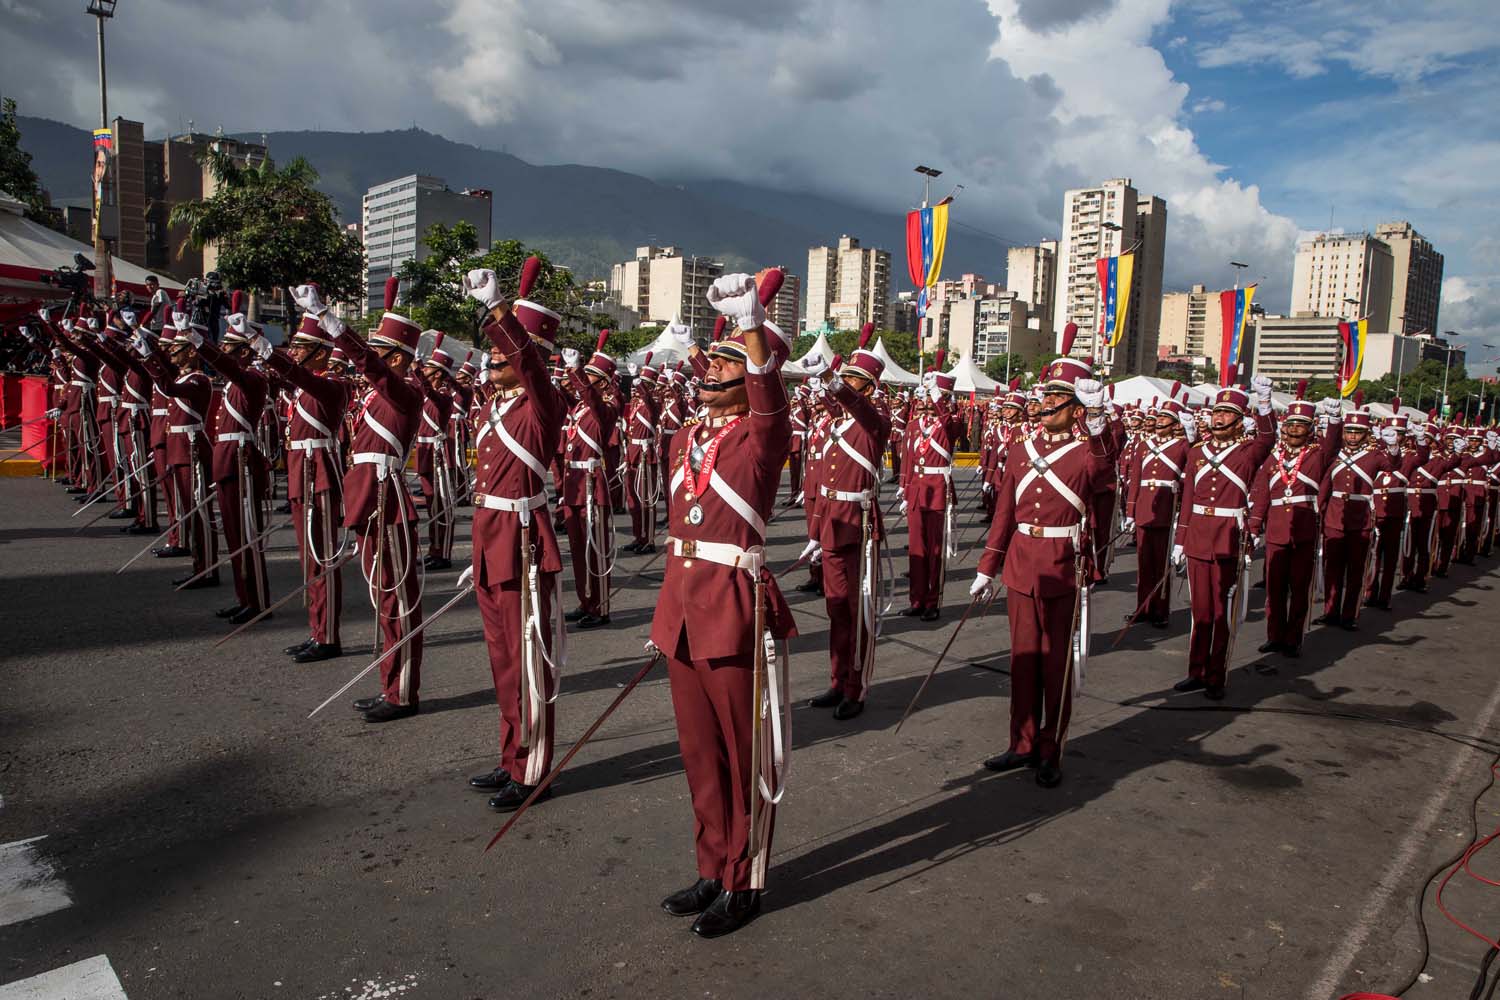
[273,229]
[997,366]
[16,176]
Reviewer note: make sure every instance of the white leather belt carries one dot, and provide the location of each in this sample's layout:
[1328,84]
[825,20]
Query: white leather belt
[937,470]
[1165,484]
[184,428]
[588,466]
[108,399]
[160,411]
[387,464]
[1424,491]
[1072,531]
[82,383]
[1218,511]
[860,496]
[136,407]
[514,505]
[723,553]
[237,437]
[429,438]
[1341,495]
[1285,501]
[640,442]
[309,444]
[1391,491]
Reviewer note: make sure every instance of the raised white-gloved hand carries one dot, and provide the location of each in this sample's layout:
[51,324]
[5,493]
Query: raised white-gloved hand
[983,587]
[329,323]
[1127,524]
[309,300]
[834,383]
[1261,385]
[815,385]
[934,393]
[180,321]
[1189,426]
[261,346]
[904,507]
[1089,392]
[570,357]
[735,296]
[1492,440]
[465,578]
[1179,557]
[1258,542]
[1420,430]
[1388,436]
[1330,408]
[127,316]
[194,337]
[812,550]
[54,413]
[681,333]
[1248,423]
[236,322]
[482,285]
[142,346]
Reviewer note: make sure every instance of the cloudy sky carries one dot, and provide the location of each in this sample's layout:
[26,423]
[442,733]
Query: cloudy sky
[1257,122]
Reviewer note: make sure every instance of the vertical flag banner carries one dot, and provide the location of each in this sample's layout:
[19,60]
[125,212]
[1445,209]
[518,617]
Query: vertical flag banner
[1352,336]
[1236,310]
[1114,288]
[926,236]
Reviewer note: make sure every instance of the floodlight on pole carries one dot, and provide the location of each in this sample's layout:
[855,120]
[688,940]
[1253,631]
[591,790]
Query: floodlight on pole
[102,10]
[928,173]
[1238,267]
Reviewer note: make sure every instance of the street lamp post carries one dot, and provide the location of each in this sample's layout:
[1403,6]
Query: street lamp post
[102,10]
[1238,267]
[928,173]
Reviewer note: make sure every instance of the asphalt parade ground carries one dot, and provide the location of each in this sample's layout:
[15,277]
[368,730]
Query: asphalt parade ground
[173,825]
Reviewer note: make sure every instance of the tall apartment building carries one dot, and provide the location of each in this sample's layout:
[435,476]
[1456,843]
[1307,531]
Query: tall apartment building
[848,285]
[663,284]
[1416,279]
[1031,273]
[785,310]
[396,214]
[1343,276]
[1192,323]
[989,326]
[1102,222]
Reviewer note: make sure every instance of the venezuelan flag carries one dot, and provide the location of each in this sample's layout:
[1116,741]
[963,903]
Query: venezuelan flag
[1235,305]
[1115,274]
[926,237]
[1352,336]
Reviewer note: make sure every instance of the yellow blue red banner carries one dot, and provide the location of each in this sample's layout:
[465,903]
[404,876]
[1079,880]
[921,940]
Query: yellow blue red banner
[1115,274]
[926,237]
[1352,337]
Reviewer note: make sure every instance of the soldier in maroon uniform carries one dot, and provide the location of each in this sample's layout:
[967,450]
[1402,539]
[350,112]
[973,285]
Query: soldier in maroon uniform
[1475,466]
[434,463]
[315,477]
[377,506]
[1038,546]
[241,474]
[822,411]
[1284,518]
[643,485]
[517,566]
[847,530]
[1155,477]
[720,610]
[927,492]
[1422,503]
[586,501]
[1347,499]
[1392,508]
[1451,494]
[1211,538]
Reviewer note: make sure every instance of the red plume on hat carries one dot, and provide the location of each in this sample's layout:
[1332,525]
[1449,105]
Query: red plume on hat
[865,333]
[1302,389]
[182,303]
[1396,405]
[1070,334]
[236,301]
[603,336]
[770,284]
[938,359]
[529,271]
[1359,398]
[1015,384]
[647,362]
[392,287]
[719,325]
[1231,375]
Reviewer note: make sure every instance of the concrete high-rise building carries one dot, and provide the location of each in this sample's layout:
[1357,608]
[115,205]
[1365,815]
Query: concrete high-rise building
[1102,222]
[1031,273]
[663,284]
[1289,348]
[397,214]
[1343,276]
[848,285]
[785,310]
[1192,323]
[1416,279]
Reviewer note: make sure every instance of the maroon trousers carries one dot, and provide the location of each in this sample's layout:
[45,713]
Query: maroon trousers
[316,524]
[1209,581]
[197,529]
[1153,588]
[794,467]
[641,482]
[440,512]
[846,645]
[1289,580]
[1041,674]
[1449,521]
[243,518]
[711,699]
[500,609]
[1387,558]
[1473,515]
[590,582]
[1344,561]
[1102,508]
[1416,564]
[925,556]
[392,571]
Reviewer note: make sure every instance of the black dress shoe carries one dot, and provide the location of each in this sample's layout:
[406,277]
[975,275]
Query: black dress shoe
[809,587]
[513,793]
[1048,774]
[573,616]
[1189,684]
[828,699]
[1010,761]
[143,529]
[1349,625]
[230,611]
[248,613]
[212,580]
[1270,647]
[632,546]
[121,514]
[646,550]
[492,782]
[848,709]
[285,508]
[434,563]
[365,704]
[727,913]
[593,621]
[1214,692]
[172,552]
[389,712]
[910,612]
[318,652]
[75,490]
[694,899]
[931,615]
[299,647]
[1325,620]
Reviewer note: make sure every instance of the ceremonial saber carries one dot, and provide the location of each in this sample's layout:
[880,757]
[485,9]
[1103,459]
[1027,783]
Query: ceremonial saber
[254,541]
[332,569]
[174,525]
[1150,595]
[22,451]
[645,566]
[408,637]
[799,562]
[588,734]
[33,420]
[936,663]
[105,491]
[135,495]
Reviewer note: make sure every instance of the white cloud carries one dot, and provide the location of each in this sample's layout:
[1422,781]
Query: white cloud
[1208,105]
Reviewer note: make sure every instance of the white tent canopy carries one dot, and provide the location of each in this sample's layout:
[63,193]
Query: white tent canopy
[1147,390]
[894,374]
[29,250]
[818,357]
[967,377]
[664,350]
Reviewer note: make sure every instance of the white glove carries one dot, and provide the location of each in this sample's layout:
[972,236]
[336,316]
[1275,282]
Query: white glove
[180,321]
[834,383]
[466,577]
[735,296]
[1179,557]
[1261,386]
[54,413]
[483,287]
[1388,436]
[1248,423]
[682,333]
[236,322]
[815,384]
[329,323]
[1089,392]
[309,300]
[93,323]
[261,346]
[904,507]
[1258,542]
[128,317]
[983,587]
[1492,440]
[46,313]
[1421,432]
[570,357]
[1329,407]
[142,347]
[1189,426]
[987,487]
[934,393]
[1127,524]
[194,337]
[812,550]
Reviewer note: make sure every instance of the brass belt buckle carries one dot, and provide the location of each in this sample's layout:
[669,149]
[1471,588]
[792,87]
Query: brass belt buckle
[689,548]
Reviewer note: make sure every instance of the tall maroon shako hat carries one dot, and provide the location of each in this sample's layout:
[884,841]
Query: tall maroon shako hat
[732,348]
[395,330]
[864,362]
[539,321]
[1230,397]
[1299,409]
[310,332]
[601,364]
[647,374]
[1063,373]
[440,358]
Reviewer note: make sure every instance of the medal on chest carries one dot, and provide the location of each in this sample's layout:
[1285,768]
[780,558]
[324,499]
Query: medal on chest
[699,468]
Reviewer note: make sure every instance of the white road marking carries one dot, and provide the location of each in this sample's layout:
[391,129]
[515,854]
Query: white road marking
[91,979]
[29,885]
[1397,875]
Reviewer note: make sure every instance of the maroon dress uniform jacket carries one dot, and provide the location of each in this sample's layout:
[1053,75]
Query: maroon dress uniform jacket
[588,435]
[1392,496]
[1151,462]
[1348,491]
[188,400]
[245,395]
[713,605]
[1293,519]
[395,405]
[930,441]
[437,410]
[1220,477]
[317,415]
[1045,567]
[642,424]
[839,523]
[532,417]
